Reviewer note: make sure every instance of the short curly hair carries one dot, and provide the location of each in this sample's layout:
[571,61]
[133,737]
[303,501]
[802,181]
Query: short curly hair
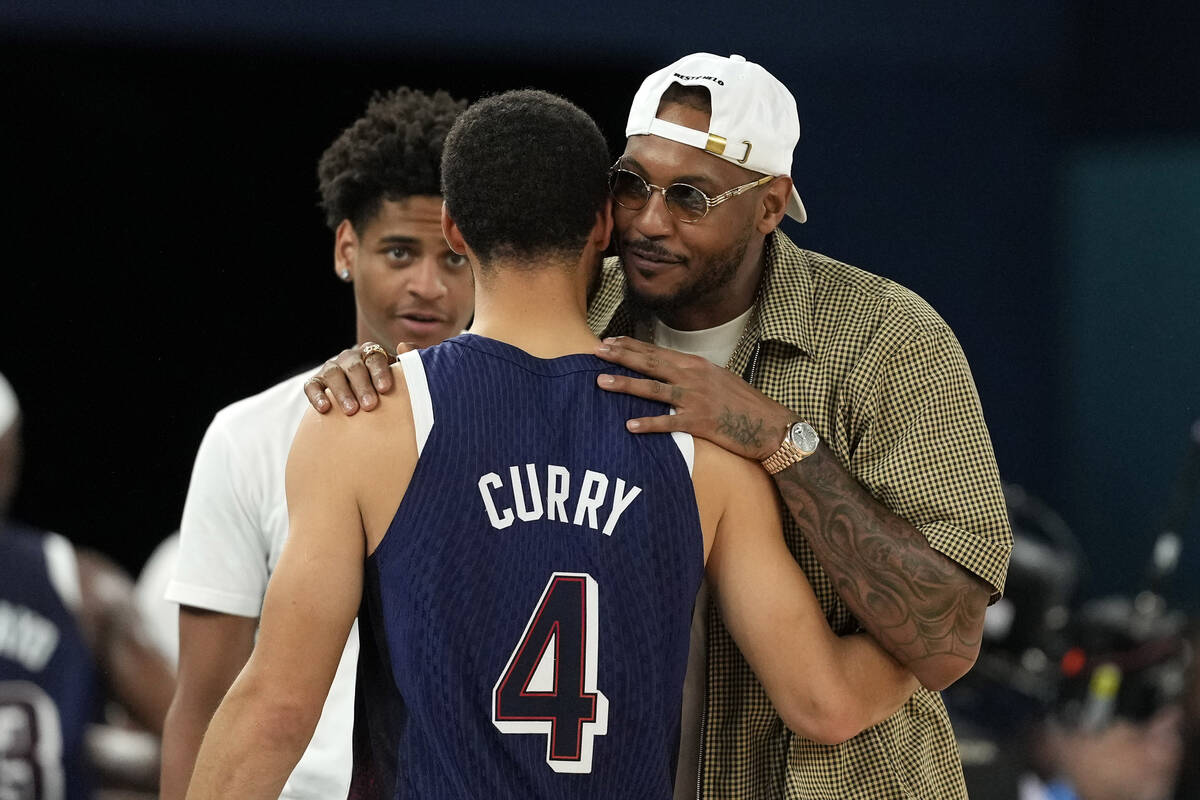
[525,173]
[392,151]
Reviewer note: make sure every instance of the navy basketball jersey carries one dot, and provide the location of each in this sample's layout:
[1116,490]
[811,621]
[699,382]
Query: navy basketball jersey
[525,620]
[47,680]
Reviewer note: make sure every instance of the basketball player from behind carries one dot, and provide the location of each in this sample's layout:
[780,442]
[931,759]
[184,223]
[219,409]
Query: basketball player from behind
[525,567]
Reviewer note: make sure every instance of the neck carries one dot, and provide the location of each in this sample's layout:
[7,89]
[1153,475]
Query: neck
[542,311]
[724,302]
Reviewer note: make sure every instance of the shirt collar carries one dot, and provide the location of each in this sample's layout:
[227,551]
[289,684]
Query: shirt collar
[608,314]
[787,294]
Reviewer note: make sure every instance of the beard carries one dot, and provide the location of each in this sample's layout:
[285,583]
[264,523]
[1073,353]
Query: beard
[710,277]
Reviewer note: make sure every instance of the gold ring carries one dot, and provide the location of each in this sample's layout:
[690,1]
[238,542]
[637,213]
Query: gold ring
[372,348]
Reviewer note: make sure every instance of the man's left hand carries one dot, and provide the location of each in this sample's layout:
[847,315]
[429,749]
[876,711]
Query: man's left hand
[710,402]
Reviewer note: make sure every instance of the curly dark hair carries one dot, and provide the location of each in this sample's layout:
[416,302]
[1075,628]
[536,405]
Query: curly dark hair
[524,173]
[392,151]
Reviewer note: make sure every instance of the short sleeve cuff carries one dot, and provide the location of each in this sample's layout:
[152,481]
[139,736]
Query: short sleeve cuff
[209,599]
[986,559]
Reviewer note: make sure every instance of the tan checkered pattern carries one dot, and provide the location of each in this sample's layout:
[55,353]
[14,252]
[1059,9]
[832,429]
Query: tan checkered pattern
[884,382]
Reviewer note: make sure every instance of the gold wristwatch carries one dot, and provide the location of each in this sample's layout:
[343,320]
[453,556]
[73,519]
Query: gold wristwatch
[798,443]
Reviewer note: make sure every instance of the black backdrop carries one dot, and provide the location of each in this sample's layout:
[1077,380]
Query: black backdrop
[167,256]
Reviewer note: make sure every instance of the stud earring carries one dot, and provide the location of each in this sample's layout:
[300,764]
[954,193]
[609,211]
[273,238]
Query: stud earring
[344,275]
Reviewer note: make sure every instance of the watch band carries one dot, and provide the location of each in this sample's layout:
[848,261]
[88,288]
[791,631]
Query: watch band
[784,457]
[799,442]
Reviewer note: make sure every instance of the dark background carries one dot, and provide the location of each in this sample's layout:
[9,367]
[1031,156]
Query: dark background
[1030,168]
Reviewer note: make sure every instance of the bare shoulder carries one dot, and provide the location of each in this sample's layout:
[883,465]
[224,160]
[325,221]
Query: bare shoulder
[334,456]
[326,434]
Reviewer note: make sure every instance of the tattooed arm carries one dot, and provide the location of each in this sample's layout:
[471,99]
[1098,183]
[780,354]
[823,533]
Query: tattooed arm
[922,607]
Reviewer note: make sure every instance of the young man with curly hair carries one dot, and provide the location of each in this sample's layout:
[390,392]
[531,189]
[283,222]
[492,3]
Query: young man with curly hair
[380,191]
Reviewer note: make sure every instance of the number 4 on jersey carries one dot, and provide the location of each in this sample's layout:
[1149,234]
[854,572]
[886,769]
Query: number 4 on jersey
[549,683]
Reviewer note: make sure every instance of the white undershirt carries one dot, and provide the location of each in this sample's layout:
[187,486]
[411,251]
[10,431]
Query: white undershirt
[716,345]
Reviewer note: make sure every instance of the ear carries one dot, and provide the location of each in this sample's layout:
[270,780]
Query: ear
[601,232]
[774,204]
[453,235]
[345,249]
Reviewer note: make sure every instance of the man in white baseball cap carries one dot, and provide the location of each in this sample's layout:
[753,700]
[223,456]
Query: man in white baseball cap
[849,389]
[845,385]
[753,123]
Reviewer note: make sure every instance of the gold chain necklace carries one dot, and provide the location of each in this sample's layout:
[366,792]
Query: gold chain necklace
[751,319]
[750,323]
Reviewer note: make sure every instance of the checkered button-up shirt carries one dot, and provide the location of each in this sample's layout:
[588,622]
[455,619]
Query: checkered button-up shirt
[883,380]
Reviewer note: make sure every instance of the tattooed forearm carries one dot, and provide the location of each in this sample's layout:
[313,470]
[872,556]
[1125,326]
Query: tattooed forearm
[740,428]
[919,605]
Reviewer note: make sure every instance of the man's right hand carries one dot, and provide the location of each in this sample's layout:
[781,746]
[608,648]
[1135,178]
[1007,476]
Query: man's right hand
[354,379]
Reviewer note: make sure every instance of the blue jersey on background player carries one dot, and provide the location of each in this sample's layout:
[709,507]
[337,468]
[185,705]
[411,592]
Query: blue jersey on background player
[528,610]
[70,640]
[48,686]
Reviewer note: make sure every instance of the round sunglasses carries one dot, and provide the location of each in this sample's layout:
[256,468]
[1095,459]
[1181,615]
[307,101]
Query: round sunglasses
[685,202]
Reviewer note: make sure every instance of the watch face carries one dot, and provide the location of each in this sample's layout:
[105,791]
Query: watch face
[804,437]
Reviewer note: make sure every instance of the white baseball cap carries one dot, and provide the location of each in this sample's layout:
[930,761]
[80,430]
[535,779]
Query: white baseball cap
[754,122]
[8,406]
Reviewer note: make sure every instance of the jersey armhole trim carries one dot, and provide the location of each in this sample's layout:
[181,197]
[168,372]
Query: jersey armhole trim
[418,396]
[686,445]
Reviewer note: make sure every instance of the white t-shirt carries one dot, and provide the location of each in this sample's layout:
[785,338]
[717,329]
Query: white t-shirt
[234,525]
[714,345]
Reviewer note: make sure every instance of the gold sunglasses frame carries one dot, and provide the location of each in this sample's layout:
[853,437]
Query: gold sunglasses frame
[710,202]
